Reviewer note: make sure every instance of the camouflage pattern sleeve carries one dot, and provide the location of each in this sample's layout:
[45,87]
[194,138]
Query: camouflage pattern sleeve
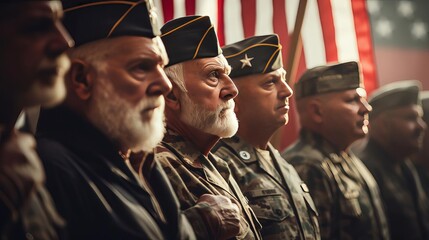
[318,183]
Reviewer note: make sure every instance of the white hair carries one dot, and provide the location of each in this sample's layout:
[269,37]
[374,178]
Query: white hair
[176,75]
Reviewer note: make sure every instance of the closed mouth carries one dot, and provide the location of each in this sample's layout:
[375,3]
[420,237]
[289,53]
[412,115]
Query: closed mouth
[286,106]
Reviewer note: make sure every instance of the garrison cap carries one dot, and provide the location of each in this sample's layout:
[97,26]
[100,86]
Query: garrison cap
[394,95]
[189,38]
[424,97]
[258,54]
[91,20]
[328,78]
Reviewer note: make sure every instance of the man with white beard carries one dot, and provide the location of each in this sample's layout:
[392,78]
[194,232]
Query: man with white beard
[114,105]
[200,111]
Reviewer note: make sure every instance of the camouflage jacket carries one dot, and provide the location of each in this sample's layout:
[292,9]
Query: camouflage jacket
[281,201]
[344,191]
[407,207]
[211,175]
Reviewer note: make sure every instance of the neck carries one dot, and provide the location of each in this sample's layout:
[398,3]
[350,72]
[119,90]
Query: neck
[204,142]
[9,113]
[397,155]
[257,137]
[336,141]
[421,160]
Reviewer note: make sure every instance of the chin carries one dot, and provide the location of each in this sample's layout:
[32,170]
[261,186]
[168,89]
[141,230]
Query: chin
[46,96]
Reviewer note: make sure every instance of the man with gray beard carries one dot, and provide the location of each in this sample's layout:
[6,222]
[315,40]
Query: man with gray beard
[115,105]
[200,111]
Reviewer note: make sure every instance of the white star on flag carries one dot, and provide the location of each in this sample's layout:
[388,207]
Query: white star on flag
[246,61]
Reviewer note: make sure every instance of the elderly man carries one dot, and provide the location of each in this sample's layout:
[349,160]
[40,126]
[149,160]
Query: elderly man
[276,193]
[333,113]
[396,133]
[114,105]
[199,111]
[32,69]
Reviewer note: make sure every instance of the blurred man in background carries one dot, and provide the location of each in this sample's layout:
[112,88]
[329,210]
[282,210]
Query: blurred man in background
[333,112]
[32,68]
[421,159]
[396,133]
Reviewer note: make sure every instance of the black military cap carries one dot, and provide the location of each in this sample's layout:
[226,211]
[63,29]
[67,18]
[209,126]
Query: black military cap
[189,38]
[394,95]
[91,20]
[328,78]
[258,54]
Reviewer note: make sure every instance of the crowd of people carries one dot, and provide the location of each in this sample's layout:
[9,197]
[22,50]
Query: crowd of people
[157,132]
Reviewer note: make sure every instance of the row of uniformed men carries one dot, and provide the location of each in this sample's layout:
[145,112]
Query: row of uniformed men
[210,177]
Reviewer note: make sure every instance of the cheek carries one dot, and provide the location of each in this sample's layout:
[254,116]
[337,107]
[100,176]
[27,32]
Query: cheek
[209,99]
[126,88]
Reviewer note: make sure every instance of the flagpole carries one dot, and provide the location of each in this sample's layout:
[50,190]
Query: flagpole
[295,44]
[293,57]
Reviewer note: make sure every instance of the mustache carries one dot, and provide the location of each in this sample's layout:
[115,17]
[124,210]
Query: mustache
[230,104]
[150,102]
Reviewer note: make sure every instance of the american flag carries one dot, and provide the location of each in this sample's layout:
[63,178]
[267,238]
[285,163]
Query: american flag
[332,30]
[400,31]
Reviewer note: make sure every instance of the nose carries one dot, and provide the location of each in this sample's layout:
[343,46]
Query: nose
[229,91]
[61,40]
[365,106]
[160,84]
[285,90]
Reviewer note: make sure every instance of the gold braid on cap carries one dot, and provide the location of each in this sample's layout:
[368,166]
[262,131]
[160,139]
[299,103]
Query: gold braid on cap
[132,5]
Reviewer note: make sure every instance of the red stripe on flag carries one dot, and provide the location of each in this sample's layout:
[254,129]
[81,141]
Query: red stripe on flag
[190,7]
[364,42]
[168,10]
[221,22]
[328,29]
[248,13]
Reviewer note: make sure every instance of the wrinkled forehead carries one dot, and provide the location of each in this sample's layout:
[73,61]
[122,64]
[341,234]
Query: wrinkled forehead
[219,61]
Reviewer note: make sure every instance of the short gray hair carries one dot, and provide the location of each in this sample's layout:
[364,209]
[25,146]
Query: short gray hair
[175,74]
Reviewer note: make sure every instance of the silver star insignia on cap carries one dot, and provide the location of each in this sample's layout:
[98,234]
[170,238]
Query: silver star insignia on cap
[246,61]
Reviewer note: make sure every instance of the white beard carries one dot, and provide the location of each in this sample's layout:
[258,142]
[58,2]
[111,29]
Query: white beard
[125,123]
[221,122]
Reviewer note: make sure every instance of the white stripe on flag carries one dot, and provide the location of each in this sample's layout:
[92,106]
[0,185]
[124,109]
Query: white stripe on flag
[264,17]
[344,30]
[291,8]
[312,36]
[207,7]
[179,8]
[233,23]
[158,5]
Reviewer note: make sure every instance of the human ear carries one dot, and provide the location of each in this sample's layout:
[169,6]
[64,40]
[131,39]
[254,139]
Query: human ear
[172,98]
[315,110]
[81,79]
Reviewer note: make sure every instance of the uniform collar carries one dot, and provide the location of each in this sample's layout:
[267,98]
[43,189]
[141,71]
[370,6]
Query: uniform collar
[191,155]
[241,148]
